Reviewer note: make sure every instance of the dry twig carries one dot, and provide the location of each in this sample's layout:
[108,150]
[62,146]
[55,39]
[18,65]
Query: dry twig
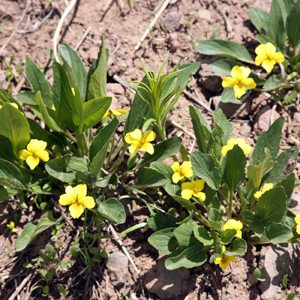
[19,23]
[20,287]
[57,31]
[198,101]
[164,6]
[82,38]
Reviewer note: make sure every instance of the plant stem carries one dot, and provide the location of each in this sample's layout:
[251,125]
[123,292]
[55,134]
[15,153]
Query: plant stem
[230,204]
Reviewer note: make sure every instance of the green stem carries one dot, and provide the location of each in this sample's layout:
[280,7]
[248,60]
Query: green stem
[118,161]
[82,143]
[230,204]
[111,151]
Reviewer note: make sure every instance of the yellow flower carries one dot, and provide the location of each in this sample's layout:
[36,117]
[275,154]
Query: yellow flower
[35,151]
[297,220]
[224,260]
[77,199]
[234,224]
[181,172]
[111,113]
[267,56]
[12,227]
[239,81]
[140,141]
[240,142]
[193,188]
[266,187]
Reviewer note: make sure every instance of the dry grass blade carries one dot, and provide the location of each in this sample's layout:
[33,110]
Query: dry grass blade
[20,287]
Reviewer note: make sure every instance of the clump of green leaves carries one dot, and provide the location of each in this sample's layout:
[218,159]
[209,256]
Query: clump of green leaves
[279,28]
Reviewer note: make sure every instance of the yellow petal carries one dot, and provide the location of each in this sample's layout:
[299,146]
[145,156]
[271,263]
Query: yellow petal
[186,168]
[186,194]
[257,195]
[239,234]
[297,218]
[259,59]
[107,115]
[239,90]
[175,166]
[228,82]
[23,154]
[268,65]
[267,187]
[119,112]
[43,155]
[199,185]
[298,228]
[148,148]
[149,136]
[224,264]
[200,195]
[66,199]
[32,161]
[81,191]
[249,83]
[218,260]
[261,50]
[177,177]
[133,149]
[88,202]
[245,71]
[231,258]
[76,210]
[134,136]
[35,146]
[225,149]
[246,148]
[278,57]
[71,192]
[270,49]
[236,72]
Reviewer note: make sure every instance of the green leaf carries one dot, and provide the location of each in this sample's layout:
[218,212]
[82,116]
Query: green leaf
[204,167]
[58,168]
[223,48]
[293,26]
[278,16]
[164,241]
[163,169]
[191,257]
[78,164]
[213,214]
[212,200]
[171,190]
[10,175]
[113,210]
[6,149]
[256,173]
[7,98]
[161,222]
[97,81]
[14,126]
[73,66]
[44,113]
[288,184]
[148,177]
[223,67]
[223,126]
[184,234]
[99,146]
[234,171]
[31,231]
[277,173]
[275,82]
[202,235]
[278,233]
[217,253]
[139,111]
[68,106]
[271,206]
[228,96]
[5,193]
[239,248]
[163,150]
[253,222]
[94,110]
[260,19]
[201,132]
[227,236]
[270,139]
[38,82]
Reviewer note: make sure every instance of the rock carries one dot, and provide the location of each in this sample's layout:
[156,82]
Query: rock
[117,266]
[271,266]
[172,22]
[116,88]
[245,129]
[262,119]
[167,284]
[173,42]
[213,83]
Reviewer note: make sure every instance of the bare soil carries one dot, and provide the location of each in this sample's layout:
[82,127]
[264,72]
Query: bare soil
[32,24]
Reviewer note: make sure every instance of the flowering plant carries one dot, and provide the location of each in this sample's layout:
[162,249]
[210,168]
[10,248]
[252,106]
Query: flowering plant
[226,205]
[278,52]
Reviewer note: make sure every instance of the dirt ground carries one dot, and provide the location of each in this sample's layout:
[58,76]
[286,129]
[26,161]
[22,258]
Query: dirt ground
[27,29]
